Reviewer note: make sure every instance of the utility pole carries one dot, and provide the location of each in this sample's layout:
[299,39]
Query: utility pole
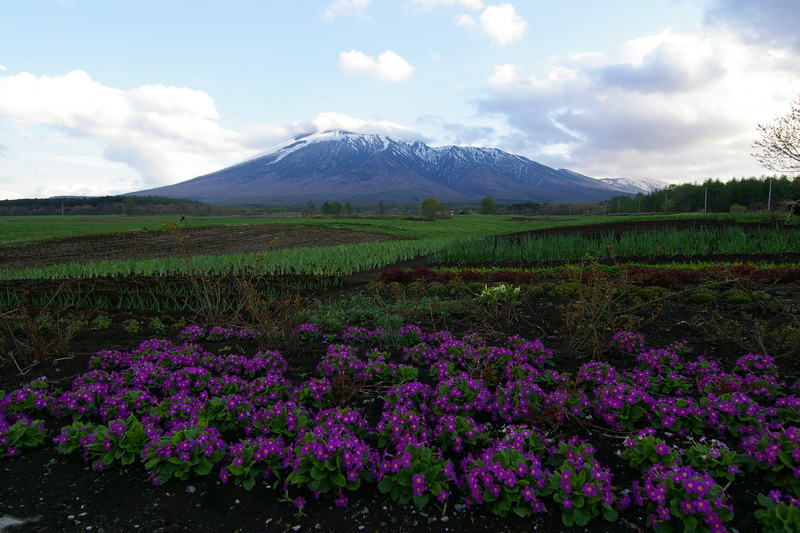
[665,201]
[705,200]
[769,196]
[640,203]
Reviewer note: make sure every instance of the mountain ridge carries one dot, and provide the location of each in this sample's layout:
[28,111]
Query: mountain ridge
[365,168]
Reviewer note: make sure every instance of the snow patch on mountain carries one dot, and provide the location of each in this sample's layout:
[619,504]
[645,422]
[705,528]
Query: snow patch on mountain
[364,168]
[636,185]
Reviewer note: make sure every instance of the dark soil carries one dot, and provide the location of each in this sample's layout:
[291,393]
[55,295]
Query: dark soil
[192,241]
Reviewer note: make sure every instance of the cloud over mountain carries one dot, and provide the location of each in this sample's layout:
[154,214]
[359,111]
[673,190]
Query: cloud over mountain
[164,133]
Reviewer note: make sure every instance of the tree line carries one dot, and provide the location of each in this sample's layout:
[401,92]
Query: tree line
[713,196]
[109,205]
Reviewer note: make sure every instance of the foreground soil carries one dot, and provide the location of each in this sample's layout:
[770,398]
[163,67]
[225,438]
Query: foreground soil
[191,241]
[46,491]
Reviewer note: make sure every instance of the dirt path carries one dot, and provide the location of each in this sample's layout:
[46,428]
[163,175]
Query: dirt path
[197,241]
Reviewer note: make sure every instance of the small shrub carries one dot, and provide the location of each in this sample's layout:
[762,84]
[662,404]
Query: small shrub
[132,326]
[23,433]
[416,474]
[681,496]
[157,325]
[644,452]
[778,513]
[101,322]
[502,294]
[254,459]
[647,294]
[437,288]
[703,296]
[736,297]
[580,484]
[187,451]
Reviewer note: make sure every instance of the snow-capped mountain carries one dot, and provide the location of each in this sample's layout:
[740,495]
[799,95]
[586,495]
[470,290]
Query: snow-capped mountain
[365,168]
[636,185]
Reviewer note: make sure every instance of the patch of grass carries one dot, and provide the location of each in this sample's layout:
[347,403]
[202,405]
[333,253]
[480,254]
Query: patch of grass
[374,311]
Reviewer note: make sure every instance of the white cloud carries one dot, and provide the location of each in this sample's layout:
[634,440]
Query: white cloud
[2,68]
[428,5]
[503,76]
[502,24]
[387,67]
[339,121]
[670,106]
[163,132]
[109,140]
[466,21]
[346,8]
[499,22]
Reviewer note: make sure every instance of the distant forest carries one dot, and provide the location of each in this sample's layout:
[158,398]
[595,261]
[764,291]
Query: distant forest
[110,205]
[734,195]
[745,194]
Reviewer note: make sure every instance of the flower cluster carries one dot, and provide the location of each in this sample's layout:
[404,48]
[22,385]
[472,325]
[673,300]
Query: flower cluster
[417,474]
[447,418]
[506,478]
[580,483]
[24,433]
[778,513]
[681,493]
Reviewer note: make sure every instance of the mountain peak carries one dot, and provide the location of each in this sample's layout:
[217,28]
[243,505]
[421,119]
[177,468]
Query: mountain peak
[364,168]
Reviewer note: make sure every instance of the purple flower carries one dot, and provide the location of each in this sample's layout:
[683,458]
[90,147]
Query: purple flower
[341,501]
[418,485]
[662,449]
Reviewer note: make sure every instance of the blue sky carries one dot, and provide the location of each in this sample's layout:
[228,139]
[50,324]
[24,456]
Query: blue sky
[100,97]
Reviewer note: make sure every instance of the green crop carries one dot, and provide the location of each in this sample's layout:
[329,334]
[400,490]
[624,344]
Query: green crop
[666,242]
[21,229]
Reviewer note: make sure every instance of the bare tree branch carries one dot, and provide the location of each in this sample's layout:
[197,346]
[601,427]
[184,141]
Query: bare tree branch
[779,145]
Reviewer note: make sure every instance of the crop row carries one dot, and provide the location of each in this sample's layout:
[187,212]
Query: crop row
[313,261]
[347,259]
[460,421]
[162,294]
[665,242]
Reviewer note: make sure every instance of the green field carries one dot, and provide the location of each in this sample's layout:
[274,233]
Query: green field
[461,239]
[19,230]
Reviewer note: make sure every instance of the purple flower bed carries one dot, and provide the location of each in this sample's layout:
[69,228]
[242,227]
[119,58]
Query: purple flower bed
[452,420]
